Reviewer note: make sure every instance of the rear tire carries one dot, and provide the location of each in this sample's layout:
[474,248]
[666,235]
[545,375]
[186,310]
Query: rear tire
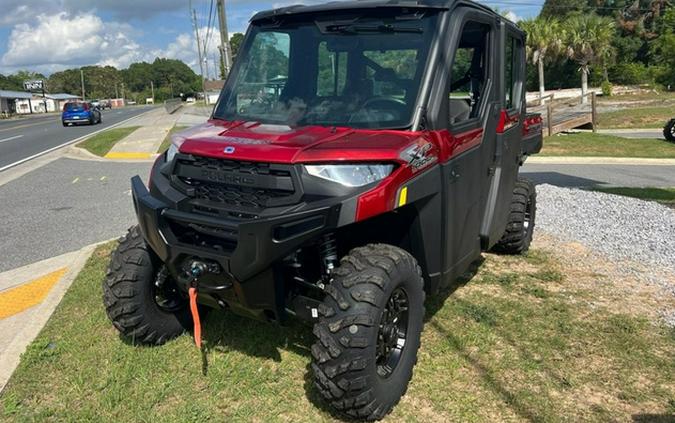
[520,228]
[669,131]
[129,295]
[361,364]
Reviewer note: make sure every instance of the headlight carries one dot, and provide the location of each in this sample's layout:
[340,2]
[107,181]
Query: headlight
[171,152]
[351,175]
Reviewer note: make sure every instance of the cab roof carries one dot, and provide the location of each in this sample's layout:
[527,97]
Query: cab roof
[335,6]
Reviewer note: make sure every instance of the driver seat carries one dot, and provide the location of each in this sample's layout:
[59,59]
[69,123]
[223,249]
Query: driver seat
[460,110]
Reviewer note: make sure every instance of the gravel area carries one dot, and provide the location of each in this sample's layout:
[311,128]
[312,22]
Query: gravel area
[626,230]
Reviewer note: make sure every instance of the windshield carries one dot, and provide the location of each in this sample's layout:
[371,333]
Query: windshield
[361,73]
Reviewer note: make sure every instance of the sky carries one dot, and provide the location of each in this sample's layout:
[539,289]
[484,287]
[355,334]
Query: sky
[51,35]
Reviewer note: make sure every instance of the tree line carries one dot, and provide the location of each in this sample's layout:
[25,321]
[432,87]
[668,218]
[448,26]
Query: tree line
[170,78]
[601,42]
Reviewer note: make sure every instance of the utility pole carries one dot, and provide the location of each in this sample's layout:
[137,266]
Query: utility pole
[82,81]
[152,88]
[224,36]
[199,50]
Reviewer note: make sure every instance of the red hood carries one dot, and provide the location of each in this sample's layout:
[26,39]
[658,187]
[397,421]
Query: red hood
[252,141]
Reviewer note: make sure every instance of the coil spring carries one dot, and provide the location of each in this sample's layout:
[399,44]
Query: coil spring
[328,251]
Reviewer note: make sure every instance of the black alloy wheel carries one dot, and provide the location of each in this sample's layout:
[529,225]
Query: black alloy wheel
[391,338]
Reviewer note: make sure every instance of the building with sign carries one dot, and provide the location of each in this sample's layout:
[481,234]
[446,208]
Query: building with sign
[61,99]
[19,102]
[8,101]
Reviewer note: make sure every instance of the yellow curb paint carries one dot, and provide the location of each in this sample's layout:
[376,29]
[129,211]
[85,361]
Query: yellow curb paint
[15,300]
[129,156]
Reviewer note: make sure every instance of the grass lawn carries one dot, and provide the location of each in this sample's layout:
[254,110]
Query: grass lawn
[518,342]
[662,195]
[167,140]
[661,96]
[637,117]
[101,144]
[602,145]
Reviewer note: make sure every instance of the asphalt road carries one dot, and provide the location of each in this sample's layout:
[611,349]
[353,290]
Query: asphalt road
[569,175]
[68,204]
[64,206]
[23,138]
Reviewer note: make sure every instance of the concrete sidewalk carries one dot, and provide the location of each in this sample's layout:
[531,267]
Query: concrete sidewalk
[143,143]
[28,297]
[587,160]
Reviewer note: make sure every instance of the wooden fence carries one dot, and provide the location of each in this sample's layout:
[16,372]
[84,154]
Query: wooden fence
[565,114]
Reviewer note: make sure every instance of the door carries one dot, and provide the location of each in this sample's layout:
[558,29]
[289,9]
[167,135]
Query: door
[509,133]
[470,97]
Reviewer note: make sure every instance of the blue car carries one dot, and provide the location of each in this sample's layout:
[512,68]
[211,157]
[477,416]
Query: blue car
[77,113]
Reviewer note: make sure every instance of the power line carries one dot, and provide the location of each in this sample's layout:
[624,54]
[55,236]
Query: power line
[209,30]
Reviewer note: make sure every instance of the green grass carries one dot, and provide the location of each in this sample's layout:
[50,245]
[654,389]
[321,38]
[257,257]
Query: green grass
[500,348]
[602,145]
[662,195]
[102,143]
[637,117]
[167,140]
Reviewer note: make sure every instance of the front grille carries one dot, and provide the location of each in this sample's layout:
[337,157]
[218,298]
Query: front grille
[232,188]
[236,197]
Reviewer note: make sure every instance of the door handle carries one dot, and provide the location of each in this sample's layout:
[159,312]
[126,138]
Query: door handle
[454,175]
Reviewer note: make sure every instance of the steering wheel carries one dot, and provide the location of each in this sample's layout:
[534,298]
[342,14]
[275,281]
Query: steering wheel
[382,104]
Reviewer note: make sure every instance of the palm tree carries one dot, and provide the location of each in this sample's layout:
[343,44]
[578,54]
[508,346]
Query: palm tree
[544,42]
[589,41]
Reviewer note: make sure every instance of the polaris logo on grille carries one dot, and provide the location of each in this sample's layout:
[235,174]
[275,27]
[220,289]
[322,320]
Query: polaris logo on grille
[229,150]
[226,178]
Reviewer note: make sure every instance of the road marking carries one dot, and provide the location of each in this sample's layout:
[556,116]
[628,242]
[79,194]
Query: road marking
[129,155]
[25,126]
[15,300]
[11,138]
[42,153]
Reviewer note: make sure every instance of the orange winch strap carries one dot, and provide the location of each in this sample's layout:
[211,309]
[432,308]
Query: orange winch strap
[195,317]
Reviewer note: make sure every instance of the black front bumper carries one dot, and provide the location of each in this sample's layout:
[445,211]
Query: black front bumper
[247,282]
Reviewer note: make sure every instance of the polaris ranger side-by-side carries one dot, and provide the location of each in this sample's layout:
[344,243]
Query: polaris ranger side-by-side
[361,156]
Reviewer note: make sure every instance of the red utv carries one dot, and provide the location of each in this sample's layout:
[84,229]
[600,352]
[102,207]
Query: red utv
[361,157]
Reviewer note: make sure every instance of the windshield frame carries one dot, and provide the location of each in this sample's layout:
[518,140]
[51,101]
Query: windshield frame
[257,27]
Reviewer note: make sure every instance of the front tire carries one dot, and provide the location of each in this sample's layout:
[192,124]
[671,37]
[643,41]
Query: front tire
[520,228]
[669,131]
[133,302]
[369,331]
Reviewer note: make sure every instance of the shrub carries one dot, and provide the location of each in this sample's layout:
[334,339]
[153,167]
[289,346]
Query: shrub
[632,74]
[607,88]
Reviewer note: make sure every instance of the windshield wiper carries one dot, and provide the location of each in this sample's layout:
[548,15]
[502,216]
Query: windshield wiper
[355,29]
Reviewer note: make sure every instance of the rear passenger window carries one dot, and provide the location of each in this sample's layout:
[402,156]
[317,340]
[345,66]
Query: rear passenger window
[513,51]
[469,73]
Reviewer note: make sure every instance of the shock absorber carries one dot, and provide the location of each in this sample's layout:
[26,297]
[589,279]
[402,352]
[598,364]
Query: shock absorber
[328,252]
